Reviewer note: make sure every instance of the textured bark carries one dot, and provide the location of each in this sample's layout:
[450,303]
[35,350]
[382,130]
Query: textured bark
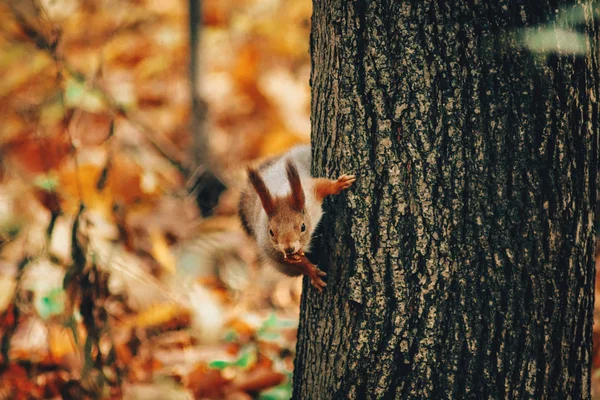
[461,262]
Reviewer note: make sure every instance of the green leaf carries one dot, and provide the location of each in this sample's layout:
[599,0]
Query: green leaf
[219,364]
[53,303]
[281,392]
[230,336]
[248,357]
[78,95]
[47,182]
[269,336]
[270,322]
[275,323]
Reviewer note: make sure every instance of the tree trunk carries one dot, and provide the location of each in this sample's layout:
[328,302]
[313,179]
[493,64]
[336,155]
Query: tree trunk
[461,262]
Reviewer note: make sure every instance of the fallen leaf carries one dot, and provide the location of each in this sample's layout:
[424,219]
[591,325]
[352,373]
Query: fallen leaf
[258,379]
[162,252]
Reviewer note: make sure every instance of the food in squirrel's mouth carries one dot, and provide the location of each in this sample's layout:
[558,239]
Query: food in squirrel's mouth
[294,257]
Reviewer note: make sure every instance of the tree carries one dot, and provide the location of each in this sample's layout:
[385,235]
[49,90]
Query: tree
[460,265]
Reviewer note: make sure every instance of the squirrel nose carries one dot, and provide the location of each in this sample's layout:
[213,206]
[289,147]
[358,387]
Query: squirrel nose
[289,250]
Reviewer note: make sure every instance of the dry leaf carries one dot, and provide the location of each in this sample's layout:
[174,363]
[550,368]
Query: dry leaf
[258,379]
[161,251]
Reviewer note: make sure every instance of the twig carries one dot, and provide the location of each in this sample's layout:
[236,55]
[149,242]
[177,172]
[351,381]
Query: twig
[10,329]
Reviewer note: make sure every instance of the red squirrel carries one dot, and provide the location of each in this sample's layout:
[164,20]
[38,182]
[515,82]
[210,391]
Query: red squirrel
[281,207]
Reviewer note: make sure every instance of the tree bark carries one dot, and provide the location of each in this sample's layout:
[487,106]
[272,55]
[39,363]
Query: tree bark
[460,265]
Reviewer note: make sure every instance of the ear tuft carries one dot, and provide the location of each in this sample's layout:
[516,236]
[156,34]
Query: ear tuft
[297,195]
[261,189]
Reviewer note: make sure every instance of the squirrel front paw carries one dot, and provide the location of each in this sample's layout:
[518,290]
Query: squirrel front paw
[314,273]
[304,266]
[315,278]
[293,258]
[345,181]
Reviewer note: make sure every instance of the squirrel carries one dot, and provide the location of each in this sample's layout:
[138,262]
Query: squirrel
[281,207]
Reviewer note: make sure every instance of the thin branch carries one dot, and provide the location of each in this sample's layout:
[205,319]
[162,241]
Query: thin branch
[11,328]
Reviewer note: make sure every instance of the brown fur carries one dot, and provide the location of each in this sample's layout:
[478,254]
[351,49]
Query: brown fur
[263,192]
[244,203]
[296,197]
[328,187]
[242,212]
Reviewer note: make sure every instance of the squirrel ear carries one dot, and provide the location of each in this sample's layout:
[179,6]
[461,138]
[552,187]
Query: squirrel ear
[261,189]
[297,195]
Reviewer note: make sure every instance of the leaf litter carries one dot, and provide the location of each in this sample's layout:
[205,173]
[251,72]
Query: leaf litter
[111,283]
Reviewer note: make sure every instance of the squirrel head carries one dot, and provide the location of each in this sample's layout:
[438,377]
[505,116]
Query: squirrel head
[288,225]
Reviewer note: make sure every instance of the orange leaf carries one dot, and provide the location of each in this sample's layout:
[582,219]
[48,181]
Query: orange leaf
[61,340]
[258,379]
[36,155]
[89,128]
[206,383]
[161,251]
[158,315]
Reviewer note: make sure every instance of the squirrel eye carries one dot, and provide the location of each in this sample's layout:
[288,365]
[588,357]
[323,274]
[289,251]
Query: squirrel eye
[271,232]
[303,228]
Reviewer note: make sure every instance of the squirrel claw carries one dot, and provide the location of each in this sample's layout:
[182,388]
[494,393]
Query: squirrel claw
[345,181]
[315,278]
[318,284]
